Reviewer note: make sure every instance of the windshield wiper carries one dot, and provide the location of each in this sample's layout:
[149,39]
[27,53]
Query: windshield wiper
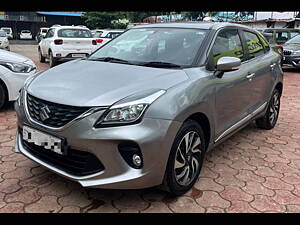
[160,64]
[109,59]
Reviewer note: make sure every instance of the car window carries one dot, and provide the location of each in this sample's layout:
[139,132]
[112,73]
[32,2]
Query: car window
[294,33]
[294,40]
[2,33]
[281,37]
[74,33]
[50,33]
[112,34]
[255,47]
[227,43]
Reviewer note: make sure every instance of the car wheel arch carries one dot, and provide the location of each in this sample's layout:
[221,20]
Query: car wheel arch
[279,87]
[203,120]
[2,83]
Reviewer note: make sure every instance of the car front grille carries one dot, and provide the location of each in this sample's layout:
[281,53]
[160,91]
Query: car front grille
[57,115]
[287,52]
[75,162]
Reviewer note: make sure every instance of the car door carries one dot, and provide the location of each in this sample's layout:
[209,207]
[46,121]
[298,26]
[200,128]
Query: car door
[259,61]
[45,42]
[232,90]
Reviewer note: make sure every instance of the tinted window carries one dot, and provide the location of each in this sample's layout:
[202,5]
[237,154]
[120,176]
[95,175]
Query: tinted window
[255,47]
[227,43]
[281,36]
[112,34]
[50,33]
[74,33]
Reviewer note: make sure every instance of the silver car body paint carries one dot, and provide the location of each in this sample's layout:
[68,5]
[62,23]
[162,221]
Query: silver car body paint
[229,103]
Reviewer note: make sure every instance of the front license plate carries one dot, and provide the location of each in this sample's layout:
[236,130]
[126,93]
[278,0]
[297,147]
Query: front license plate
[41,139]
[78,55]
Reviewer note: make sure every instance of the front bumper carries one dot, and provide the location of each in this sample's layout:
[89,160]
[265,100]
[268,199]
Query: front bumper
[14,82]
[153,136]
[293,60]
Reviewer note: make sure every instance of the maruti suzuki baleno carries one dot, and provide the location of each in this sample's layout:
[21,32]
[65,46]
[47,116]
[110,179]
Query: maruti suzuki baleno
[143,109]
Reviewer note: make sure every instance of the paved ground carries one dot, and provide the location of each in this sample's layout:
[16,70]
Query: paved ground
[254,171]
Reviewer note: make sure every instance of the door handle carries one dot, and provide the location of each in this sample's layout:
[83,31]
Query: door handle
[250,76]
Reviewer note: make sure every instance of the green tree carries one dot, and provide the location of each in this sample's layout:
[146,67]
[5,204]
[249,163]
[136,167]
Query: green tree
[194,15]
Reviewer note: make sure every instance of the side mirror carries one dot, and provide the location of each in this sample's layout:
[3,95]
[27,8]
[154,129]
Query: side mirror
[227,64]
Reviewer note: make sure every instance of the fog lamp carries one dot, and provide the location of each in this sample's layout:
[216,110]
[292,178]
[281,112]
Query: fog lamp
[137,160]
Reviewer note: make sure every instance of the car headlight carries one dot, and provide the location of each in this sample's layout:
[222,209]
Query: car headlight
[17,67]
[296,52]
[128,110]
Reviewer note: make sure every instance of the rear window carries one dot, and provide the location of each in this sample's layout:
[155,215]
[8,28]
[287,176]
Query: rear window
[74,33]
[6,30]
[44,31]
[25,31]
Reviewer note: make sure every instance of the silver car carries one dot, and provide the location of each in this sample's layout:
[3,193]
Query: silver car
[143,109]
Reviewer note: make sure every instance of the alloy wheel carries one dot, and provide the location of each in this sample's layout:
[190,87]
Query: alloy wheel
[187,158]
[274,108]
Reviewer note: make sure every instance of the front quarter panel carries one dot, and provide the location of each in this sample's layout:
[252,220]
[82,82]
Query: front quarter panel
[185,99]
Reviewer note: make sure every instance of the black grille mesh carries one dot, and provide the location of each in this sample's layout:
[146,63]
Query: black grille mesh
[287,52]
[77,163]
[59,115]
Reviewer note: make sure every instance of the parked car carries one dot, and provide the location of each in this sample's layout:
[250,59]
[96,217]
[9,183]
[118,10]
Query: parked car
[41,34]
[97,32]
[14,70]
[4,43]
[63,43]
[106,36]
[8,31]
[25,34]
[291,52]
[279,35]
[146,115]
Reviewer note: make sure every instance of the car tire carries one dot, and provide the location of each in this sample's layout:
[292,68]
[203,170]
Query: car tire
[41,57]
[3,96]
[52,61]
[184,168]
[269,120]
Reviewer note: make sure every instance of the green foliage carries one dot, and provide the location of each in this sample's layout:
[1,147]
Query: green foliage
[194,15]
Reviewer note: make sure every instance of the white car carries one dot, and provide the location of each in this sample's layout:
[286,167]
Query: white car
[8,31]
[63,43]
[106,36]
[14,70]
[25,34]
[4,43]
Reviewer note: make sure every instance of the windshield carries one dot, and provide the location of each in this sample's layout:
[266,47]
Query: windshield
[74,33]
[25,31]
[2,33]
[44,31]
[294,40]
[141,45]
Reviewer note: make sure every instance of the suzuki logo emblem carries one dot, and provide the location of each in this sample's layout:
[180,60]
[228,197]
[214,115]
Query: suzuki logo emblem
[44,113]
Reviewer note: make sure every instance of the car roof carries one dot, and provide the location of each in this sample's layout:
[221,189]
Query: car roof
[287,29]
[198,25]
[71,27]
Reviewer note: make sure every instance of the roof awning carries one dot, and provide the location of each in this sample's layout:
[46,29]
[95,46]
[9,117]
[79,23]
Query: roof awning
[60,13]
